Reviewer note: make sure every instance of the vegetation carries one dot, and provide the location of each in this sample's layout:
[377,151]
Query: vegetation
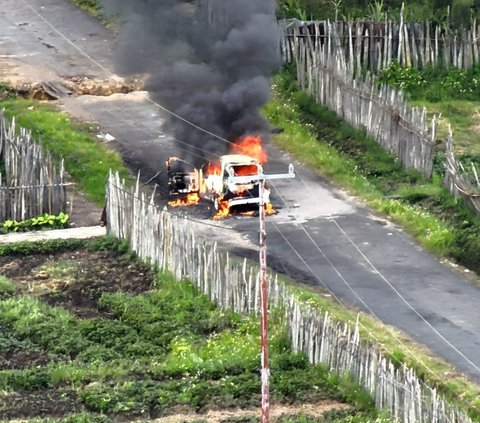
[445,12]
[348,157]
[87,161]
[150,354]
[434,84]
[452,94]
[45,221]
[91,6]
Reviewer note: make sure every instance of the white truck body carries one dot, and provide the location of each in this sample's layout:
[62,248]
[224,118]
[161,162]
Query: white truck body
[212,181]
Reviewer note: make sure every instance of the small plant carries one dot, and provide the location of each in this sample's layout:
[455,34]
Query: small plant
[7,289]
[337,6]
[376,12]
[45,221]
[293,9]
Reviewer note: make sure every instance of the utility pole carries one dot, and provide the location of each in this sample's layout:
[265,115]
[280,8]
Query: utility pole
[261,178]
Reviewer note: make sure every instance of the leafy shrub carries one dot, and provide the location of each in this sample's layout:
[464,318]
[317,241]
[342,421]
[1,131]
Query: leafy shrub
[405,78]
[434,83]
[45,221]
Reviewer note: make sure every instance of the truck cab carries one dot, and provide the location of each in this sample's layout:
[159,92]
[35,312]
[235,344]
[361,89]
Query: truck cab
[212,181]
[217,187]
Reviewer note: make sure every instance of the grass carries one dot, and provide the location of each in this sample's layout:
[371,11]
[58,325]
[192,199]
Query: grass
[87,161]
[62,270]
[7,289]
[452,93]
[153,353]
[90,6]
[346,156]
[463,116]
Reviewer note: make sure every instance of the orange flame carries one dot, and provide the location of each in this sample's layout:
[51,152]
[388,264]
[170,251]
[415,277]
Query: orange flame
[251,145]
[246,170]
[190,200]
[269,210]
[213,168]
[223,209]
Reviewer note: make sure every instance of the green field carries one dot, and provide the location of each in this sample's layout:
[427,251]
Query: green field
[87,327]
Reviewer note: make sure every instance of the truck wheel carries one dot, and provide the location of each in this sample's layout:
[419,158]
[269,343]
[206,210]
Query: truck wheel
[215,203]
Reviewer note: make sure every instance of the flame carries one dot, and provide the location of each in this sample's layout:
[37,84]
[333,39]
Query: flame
[213,168]
[269,210]
[246,170]
[190,200]
[251,145]
[223,209]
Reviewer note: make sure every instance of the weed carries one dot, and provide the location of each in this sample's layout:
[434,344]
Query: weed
[7,289]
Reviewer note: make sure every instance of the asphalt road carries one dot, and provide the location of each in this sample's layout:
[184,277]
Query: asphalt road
[320,236]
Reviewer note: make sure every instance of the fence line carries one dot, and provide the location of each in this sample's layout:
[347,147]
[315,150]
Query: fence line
[375,45]
[324,72]
[458,181]
[31,185]
[172,244]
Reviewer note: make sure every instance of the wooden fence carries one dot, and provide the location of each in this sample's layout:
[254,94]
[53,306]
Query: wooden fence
[324,72]
[173,244]
[375,45]
[459,181]
[30,185]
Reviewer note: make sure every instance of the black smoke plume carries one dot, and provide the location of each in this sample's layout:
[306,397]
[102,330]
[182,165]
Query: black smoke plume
[209,62]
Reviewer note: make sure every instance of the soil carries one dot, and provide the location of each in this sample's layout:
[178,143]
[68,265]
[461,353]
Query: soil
[82,211]
[75,280]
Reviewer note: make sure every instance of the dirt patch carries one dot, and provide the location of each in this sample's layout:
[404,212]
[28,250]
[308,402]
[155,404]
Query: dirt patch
[76,279]
[23,358]
[47,402]
[41,83]
[81,210]
[316,410]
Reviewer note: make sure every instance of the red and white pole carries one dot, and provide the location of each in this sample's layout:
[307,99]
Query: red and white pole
[263,275]
[264,307]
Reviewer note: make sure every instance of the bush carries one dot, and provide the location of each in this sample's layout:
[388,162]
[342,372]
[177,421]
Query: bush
[45,221]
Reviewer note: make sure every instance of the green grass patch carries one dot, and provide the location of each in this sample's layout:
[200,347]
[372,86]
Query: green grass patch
[463,116]
[352,160]
[453,94]
[7,289]
[87,161]
[90,6]
[102,243]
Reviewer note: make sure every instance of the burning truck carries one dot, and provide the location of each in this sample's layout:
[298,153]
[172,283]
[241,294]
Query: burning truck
[213,182]
[234,181]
